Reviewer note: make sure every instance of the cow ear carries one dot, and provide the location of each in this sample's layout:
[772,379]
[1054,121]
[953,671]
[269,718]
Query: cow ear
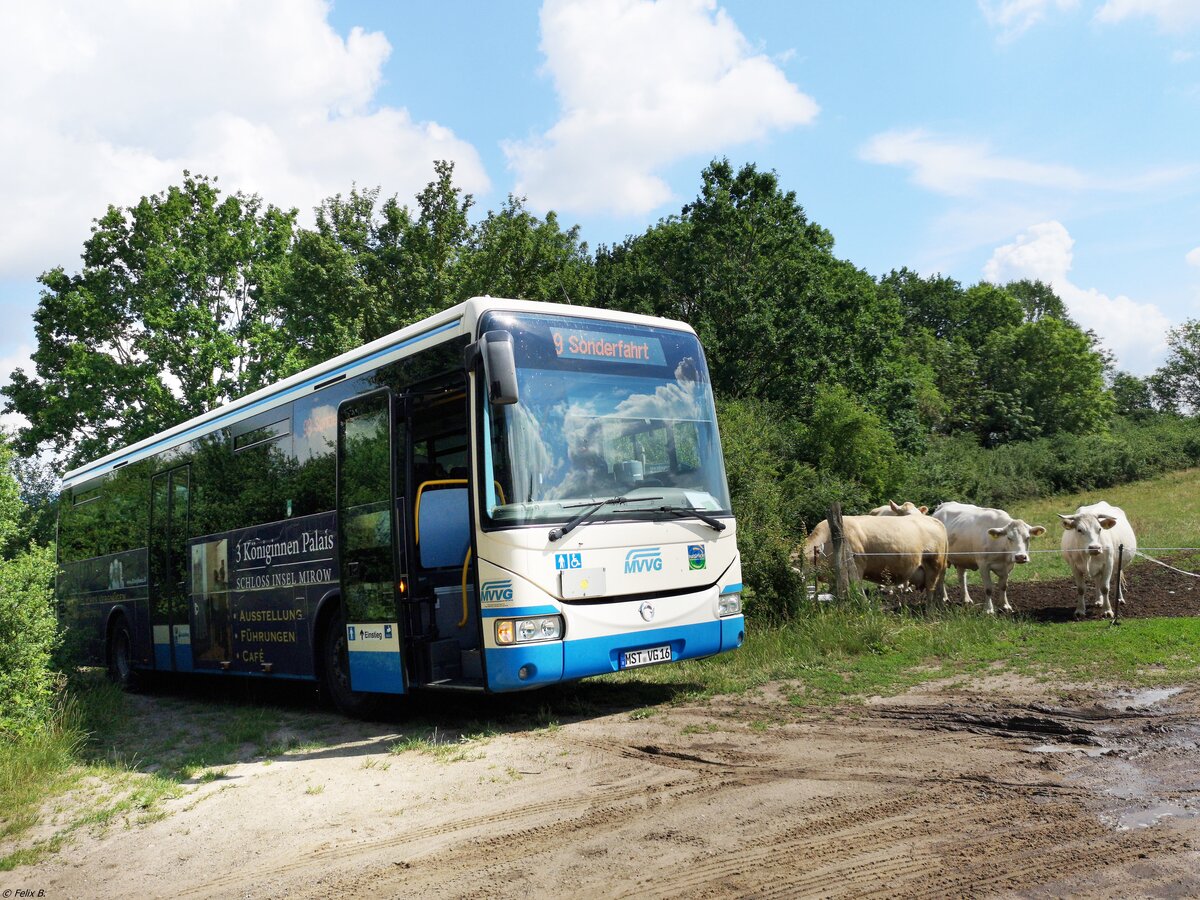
[923,509]
[1037,531]
[1106,521]
[997,532]
[895,507]
[1068,522]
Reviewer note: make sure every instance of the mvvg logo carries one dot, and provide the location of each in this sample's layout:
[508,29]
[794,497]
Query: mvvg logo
[648,559]
[497,591]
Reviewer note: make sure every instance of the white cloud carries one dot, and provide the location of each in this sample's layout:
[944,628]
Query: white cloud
[960,167]
[1135,332]
[642,84]
[1193,257]
[1014,17]
[1171,15]
[1182,56]
[103,103]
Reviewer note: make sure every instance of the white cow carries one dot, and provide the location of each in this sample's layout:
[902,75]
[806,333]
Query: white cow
[988,540]
[887,550]
[1091,539]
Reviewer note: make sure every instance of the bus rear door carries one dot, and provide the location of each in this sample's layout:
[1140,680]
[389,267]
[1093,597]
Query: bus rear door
[368,544]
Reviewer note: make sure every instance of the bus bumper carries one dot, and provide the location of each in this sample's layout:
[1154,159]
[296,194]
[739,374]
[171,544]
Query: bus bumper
[520,667]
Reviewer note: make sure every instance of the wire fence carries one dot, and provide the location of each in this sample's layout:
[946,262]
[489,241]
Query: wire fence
[1141,551]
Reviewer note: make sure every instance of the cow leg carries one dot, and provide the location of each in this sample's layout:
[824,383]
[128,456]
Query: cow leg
[1002,579]
[985,575]
[940,590]
[1080,596]
[1103,586]
[962,583]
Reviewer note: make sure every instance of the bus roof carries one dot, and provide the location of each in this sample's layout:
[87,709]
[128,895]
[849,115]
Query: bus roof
[443,326]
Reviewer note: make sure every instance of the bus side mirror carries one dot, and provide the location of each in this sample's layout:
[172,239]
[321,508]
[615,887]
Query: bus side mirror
[499,367]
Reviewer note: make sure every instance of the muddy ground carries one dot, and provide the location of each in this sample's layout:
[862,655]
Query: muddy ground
[996,786]
[999,786]
[1151,590]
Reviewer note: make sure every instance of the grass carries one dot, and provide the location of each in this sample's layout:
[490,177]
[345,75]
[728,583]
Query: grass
[444,747]
[112,759]
[113,763]
[831,653]
[60,759]
[1164,512]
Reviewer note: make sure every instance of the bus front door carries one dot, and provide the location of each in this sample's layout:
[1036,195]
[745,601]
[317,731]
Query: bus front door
[367,546]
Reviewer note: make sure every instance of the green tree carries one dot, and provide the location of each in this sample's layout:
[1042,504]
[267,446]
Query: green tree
[844,438]
[28,635]
[513,253]
[757,446]
[10,501]
[369,268]
[1037,299]
[934,304]
[987,310]
[777,312]
[1133,397]
[1176,383]
[165,320]
[1042,378]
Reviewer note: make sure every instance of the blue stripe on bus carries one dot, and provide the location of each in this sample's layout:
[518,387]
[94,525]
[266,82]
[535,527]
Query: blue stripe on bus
[162,657]
[378,672]
[732,588]
[205,427]
[183,657]
[733,632]
[515,611]
[594,656]
[543,664]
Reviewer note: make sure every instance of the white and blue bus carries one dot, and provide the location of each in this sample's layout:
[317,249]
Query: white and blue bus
[505,495]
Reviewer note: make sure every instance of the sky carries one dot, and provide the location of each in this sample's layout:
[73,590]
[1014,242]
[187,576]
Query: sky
[988,140]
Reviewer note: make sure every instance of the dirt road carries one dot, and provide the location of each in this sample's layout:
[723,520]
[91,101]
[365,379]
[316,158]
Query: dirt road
[999,787]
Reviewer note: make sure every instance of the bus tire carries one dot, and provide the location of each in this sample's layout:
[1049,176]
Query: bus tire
[335,671]
[119,654]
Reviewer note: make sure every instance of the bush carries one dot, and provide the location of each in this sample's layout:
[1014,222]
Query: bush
[756,444]
[28,637]
[957,468]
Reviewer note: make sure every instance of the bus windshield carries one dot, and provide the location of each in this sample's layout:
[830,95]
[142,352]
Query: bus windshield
[607,410]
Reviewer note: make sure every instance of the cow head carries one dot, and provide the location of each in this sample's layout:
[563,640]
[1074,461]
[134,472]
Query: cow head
[1087,527]
[1015,537]
[907,508]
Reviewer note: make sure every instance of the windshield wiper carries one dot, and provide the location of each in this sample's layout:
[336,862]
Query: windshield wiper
[688,512]
[592,508]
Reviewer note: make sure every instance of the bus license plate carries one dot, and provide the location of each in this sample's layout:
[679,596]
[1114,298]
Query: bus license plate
[633,658]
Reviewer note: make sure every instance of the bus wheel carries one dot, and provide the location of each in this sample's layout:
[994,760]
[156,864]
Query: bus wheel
[120,656]
[335,672]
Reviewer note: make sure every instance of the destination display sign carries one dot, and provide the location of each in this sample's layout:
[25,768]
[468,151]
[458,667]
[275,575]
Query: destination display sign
[607,346]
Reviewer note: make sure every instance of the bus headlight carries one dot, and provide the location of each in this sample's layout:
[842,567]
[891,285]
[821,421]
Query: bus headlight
[525,631]
[729,604]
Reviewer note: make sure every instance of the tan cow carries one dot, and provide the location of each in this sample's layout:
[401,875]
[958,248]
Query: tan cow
[907,508]
[887,550]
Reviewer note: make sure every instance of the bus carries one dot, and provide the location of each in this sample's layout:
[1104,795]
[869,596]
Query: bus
[505,495]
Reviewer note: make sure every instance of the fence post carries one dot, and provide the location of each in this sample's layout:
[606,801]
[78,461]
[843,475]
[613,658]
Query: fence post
[840,556]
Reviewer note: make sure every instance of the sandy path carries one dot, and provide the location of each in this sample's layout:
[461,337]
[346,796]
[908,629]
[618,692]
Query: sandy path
[932,793]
